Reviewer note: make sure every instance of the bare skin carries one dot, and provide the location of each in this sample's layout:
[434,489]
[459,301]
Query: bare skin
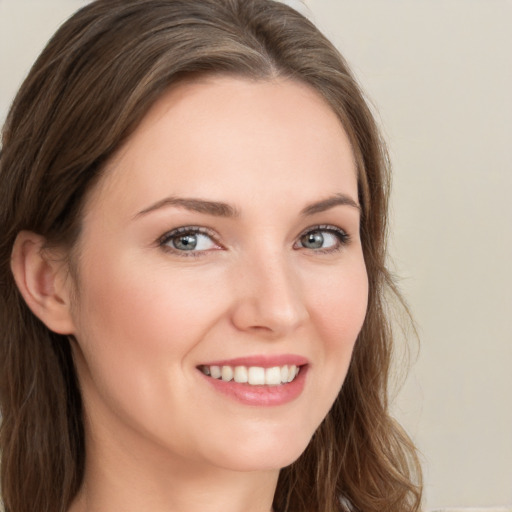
[273,270]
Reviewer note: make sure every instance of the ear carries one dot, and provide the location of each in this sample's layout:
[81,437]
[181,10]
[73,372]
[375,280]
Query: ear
[43,282]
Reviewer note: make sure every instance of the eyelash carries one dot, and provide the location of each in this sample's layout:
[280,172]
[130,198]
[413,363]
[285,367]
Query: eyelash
[342,236]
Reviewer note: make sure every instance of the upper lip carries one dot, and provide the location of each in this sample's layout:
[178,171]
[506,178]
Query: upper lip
[264,361]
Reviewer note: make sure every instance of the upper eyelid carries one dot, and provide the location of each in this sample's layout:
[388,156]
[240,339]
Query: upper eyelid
[189,229]
[325,227]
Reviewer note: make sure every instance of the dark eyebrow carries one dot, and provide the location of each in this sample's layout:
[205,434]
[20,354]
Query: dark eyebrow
[219,209]
[197,205]
[330,202]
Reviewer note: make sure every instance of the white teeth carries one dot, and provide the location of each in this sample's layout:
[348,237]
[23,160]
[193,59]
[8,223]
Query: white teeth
[241,374]
[253,375]
[256,375]
[273,376]
[227,373]
[215,372]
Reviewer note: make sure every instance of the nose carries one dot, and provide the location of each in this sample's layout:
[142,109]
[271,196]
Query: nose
[269,298]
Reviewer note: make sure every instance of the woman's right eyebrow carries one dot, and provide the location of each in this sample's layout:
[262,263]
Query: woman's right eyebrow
[216,208]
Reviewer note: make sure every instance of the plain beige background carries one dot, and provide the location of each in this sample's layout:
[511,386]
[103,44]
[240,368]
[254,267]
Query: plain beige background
[439,73]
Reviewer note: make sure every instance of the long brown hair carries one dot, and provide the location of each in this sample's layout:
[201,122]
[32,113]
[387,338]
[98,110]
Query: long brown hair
[84,96]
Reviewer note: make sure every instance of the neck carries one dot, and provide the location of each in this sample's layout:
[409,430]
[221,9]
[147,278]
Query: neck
[229,493]
[141,478]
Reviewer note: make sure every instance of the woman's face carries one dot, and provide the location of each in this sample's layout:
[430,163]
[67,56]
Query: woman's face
[222,239]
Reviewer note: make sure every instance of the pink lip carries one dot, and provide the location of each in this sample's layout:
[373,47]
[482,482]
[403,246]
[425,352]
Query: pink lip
[262,396]
[265,361]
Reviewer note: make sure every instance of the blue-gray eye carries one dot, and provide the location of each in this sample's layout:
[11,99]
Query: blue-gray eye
[323,239]
[313,240]
[189,241]
[185,242]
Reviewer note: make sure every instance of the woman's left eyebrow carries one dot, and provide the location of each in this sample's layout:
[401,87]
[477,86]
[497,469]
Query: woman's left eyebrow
[330,202]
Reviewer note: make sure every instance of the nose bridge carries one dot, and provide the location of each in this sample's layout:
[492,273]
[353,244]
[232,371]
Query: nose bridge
[270,297]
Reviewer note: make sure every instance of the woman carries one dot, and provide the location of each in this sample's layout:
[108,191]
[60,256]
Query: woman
[193,208]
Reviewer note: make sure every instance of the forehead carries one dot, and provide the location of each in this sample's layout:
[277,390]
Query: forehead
[232,137]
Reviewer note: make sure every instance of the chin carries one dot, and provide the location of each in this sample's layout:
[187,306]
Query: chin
[266,451]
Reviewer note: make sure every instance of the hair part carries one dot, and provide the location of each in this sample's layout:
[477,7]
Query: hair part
[87,92]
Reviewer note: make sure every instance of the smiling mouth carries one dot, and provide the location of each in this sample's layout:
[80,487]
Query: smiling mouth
[253,375]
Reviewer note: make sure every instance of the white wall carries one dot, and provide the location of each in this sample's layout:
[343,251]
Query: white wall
[440,74]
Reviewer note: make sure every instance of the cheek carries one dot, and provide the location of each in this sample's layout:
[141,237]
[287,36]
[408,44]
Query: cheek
[339,304]
[137,324]
[338,314]
[127,299]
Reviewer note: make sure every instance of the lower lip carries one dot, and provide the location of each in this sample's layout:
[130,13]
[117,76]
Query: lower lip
[265,396]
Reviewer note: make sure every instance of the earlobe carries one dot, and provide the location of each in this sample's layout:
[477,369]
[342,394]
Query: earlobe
[42,281]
